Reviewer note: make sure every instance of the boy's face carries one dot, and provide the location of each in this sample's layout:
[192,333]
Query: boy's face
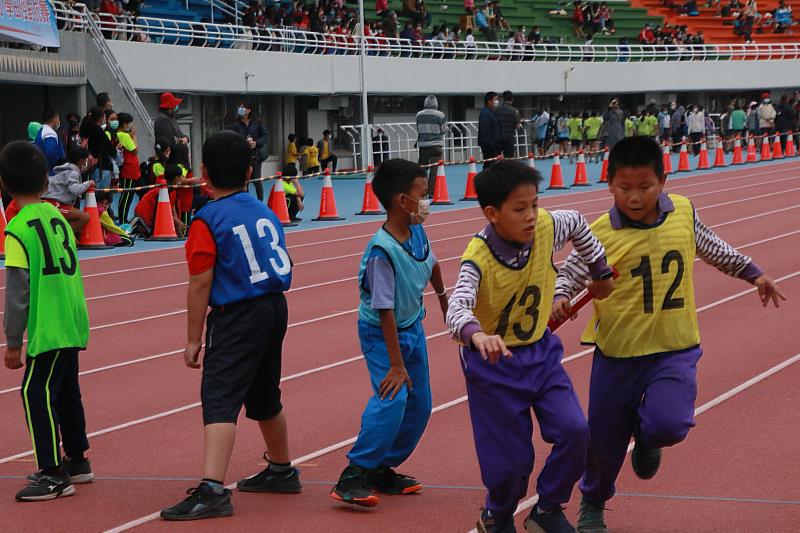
[516,219]
[636,191]
[409,202]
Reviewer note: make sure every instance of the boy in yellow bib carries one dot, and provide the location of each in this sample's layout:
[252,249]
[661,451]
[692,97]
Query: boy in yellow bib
[647,342]
[500,306]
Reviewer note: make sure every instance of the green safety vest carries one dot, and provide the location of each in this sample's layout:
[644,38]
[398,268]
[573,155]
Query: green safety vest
[57,316]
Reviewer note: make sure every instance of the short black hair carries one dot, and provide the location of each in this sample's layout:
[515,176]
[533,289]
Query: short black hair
[326,132]
[162,145]
[289,170]
[292,137]
[76,154]
[95,114]
[23,168]
[103,196]
[49,114]
[109,112]
[508,96]
[636,152]
[103,99]
[226,156]
[124,118]
[488,97]
[393,177]
[172,173]
[497,182]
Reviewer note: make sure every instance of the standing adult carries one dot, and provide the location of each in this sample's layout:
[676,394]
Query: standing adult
[258,139]
[785,120]
[678,127]
[100,146]
[165,125]
[47,139]
[766,117]
[489,129]
[613,129]
[104,101]
[326,155]
[696,125]
[510,120]
[431,128]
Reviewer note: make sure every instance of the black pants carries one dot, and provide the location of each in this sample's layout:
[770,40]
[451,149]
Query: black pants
[256,181]
[293,206]
[126,198]
[696,138]
[51,397]
[509,148]
[333,160]
[488,153]
[427,156]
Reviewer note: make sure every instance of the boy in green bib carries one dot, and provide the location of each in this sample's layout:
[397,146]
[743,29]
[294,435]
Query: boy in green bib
[44,294]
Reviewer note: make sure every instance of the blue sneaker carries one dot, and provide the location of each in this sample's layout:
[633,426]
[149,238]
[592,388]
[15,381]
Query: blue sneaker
[548,522]
[489,523]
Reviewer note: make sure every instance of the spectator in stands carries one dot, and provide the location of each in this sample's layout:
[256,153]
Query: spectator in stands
[766,116]
[624,50]
[482,22]
[690,9]
[696,126]
[535,36]
[431,129]
[613,129]
[165,125]
[489,128]
[743,26]
[786,119]
[783,17]
[100,146]
[390,26]
[104,101]
[47,139]
[258,138]
[469,7]
[381,6]
[326,155]
[578,18]
[605,19]
[646,36]
[510,121]
[108,14]
[499,19]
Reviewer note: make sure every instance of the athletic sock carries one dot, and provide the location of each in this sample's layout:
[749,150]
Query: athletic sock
[280,468]
[215,485]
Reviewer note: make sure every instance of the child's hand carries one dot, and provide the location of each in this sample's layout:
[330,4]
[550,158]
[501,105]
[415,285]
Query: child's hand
[180,228]
[561,308]
[191,354]
[395,378]
[444,302]
[768,290]
[601,289]
[92,184]
[490,346]
[13,358]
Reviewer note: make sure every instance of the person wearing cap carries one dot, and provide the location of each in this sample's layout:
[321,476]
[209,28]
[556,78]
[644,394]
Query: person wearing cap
[165,125]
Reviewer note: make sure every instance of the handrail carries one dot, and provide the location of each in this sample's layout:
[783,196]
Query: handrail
[108,56]
[213,35]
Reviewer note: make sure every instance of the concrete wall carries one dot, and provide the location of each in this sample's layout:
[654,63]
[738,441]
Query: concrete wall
[207,70]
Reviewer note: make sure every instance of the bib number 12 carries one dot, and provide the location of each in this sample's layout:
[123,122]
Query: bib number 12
[645,272]
[279,260]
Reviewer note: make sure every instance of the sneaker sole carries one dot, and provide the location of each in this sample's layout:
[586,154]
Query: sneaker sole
[369,501]
[401,492]
[593,529]
[532,527]
[213,513]
[292,490]
[82,478]
[69,491]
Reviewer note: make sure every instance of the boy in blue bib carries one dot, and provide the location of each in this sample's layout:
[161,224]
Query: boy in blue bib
[396,267]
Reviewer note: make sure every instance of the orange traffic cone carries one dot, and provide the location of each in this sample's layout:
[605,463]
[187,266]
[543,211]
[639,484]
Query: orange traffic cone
[278,203]
[791,150]
[91,237]
[370,205]
[604,168]
[164,228]
[581,177]
[777,151]
[271,197]
[738,157]
[683,159]
[766,153]
[667,157]
[702,161]
[531,161]
[470,193]
[719,155]
[751,150]
[327,202]
[556,179]
[2,231]
[440,194]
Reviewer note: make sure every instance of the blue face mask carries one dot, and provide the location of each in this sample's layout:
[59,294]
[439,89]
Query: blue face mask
[241,111]
[114,124]
[176,108]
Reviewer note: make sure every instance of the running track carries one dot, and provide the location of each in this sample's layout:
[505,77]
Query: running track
[732,474]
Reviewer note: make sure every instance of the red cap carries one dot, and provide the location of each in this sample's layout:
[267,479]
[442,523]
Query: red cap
[168,101]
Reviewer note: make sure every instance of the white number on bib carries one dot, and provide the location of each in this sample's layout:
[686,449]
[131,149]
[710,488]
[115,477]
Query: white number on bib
[282,265]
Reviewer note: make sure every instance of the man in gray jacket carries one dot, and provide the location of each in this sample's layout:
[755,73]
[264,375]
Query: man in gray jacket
[431,128]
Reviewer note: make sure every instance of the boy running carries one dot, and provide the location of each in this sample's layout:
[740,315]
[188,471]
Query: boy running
[44,294]
[396,267]
[500,306]
[238,266]
[647,342]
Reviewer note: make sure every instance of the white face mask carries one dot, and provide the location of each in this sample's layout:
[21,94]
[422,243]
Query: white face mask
[495,103]
[423,210]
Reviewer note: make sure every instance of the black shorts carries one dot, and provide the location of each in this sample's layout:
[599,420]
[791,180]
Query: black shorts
[575,142]
[242,363]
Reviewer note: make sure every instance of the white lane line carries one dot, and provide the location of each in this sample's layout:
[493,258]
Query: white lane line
[530,502]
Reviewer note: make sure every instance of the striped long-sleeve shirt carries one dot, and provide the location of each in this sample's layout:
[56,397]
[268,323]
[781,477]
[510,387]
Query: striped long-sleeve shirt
[431,124]
[567,226]
[573,275]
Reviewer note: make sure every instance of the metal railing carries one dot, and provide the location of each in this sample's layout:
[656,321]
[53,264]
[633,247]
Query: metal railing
[212,35]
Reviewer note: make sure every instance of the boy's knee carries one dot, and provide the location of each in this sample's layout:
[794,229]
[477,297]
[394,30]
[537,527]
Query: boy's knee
[662,433]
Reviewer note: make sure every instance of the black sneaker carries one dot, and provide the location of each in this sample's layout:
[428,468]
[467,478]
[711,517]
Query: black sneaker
[645,461]
[548,522]
[202,502]
[489,523]
[384,479]
[287,482]
[46,487]
[79,471]
[353,488]
[590,518]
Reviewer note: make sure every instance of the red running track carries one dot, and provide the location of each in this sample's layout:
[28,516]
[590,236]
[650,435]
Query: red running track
[147,443]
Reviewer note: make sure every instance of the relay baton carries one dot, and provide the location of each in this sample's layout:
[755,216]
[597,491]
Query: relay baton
[576,306]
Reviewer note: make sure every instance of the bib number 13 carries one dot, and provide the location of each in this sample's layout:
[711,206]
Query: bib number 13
[279,260]
[645,272]
[529,300]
